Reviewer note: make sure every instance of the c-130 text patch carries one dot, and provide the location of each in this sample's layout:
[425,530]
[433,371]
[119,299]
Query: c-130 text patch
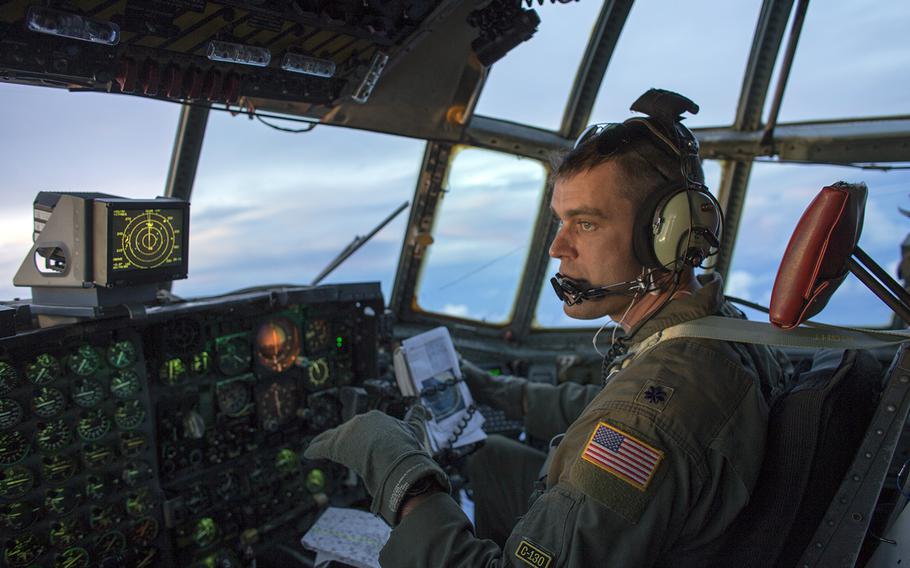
[533,555]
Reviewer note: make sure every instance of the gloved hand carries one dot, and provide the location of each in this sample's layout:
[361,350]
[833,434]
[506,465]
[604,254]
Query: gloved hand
[389,454]
[504,392]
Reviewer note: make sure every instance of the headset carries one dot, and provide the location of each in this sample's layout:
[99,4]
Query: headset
[680,223]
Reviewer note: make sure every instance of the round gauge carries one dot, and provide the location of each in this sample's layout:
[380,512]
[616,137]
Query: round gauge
[233,397]
[318,372]
[95,488]
[72,558]
[287,462]
[16,516]
[9,378]
[110,543]
[135,472]
[84,361]
[43,370]
[200,363]
[139,503]
[129,414]
[87,392]
[62,532]
[23,550]
[144,530]
[102,517]
[316,335]
[58,469]
[278,344]
[205,533]
[13,447]
[121,354]
[315,481]
[47,402]
[15,482]
[10,413]
[93,425]
[132,444]
[276,404]
[61,500]
[53,436]
[233,354]
[125,383]
[95,455]
[172,371]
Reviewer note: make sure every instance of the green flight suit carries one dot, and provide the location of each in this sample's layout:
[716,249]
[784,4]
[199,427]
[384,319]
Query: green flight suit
[652,469]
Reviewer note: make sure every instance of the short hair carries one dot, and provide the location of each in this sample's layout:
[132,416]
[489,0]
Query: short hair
[627,145]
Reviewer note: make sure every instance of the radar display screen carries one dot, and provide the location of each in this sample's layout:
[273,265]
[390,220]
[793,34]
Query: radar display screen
[145,239]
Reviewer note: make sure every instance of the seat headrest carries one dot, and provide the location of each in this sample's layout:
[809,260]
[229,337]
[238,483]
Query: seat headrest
[814,264]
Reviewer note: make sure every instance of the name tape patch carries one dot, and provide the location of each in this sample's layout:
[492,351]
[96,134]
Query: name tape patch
[533,555]
[622,455]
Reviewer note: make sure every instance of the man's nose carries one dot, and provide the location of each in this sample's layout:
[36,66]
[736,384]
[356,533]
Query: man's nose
[561,247]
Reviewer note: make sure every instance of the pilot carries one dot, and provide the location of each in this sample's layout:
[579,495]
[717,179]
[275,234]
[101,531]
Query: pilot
[657,461]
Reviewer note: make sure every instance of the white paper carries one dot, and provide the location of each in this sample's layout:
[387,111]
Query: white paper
[350,536]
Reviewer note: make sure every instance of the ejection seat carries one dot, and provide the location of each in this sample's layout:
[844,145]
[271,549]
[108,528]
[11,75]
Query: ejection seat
[832,438]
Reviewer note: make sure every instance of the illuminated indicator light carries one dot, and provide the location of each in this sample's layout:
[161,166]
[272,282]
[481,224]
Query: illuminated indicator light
[238,53]
[495,372]
[365,89]
[63,24]
[306,65]
[315,481]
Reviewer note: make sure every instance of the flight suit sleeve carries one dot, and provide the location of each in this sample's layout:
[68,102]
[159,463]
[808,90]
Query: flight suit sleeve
[552,408]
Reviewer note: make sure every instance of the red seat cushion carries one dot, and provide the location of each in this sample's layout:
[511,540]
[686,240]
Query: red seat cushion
[814,264]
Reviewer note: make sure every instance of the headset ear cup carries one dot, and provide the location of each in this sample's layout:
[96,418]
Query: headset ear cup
[643,232]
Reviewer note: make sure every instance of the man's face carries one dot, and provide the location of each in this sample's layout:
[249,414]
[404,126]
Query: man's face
[594,242]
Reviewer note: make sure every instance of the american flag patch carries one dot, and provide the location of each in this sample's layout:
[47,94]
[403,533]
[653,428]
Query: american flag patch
[626,457]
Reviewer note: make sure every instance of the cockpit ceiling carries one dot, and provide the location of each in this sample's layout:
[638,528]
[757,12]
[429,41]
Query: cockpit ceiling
[320,51]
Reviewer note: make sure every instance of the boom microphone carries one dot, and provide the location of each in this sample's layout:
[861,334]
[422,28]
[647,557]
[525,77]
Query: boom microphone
[573,292]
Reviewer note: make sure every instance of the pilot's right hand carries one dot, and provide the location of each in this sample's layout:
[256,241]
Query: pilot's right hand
[503,392]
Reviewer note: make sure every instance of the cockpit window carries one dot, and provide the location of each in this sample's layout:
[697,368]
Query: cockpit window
[271,207]
[482,235]
[851,61]
[531,85]
[549,312]
[57,140]
[698,49]
[778,195]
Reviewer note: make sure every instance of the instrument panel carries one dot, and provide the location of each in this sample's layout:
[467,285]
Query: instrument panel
[177,439]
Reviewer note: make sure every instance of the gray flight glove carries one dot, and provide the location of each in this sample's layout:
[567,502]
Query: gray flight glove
[389,454]
[504,392]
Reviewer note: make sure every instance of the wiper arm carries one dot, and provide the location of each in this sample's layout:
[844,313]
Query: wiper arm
[355,245]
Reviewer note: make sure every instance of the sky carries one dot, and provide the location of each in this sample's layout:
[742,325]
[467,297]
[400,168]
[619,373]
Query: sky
[273,207]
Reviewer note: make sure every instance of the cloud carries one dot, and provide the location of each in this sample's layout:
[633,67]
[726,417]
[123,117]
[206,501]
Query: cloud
[456,310]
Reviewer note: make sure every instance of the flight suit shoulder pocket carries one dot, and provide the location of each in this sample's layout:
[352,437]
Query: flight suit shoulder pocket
[539,539]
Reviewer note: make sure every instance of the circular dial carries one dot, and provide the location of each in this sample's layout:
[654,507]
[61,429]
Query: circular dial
[23,550]
[205,533]
[93,425]
[13,447]
[132,444]
[149,240]
[9,378]
[110,543]
[139,503]
[58,469]
[233,354]
[72,558]
[84,361]
[144,530]
[276,405]
[278,344]
[43,370]
[125,383]
[10,413]
[95,455]
[135,472]
[15,482]
[121,354]
[102,517]
[200,363]
[172,371]
[233,397]
[87,392]
[318,372]
[315,481]
[287,462]
[16,516]
[95,488]
[129,414]
[53,436]
[317,335]
[47,402]
[62,532]
[61,500]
